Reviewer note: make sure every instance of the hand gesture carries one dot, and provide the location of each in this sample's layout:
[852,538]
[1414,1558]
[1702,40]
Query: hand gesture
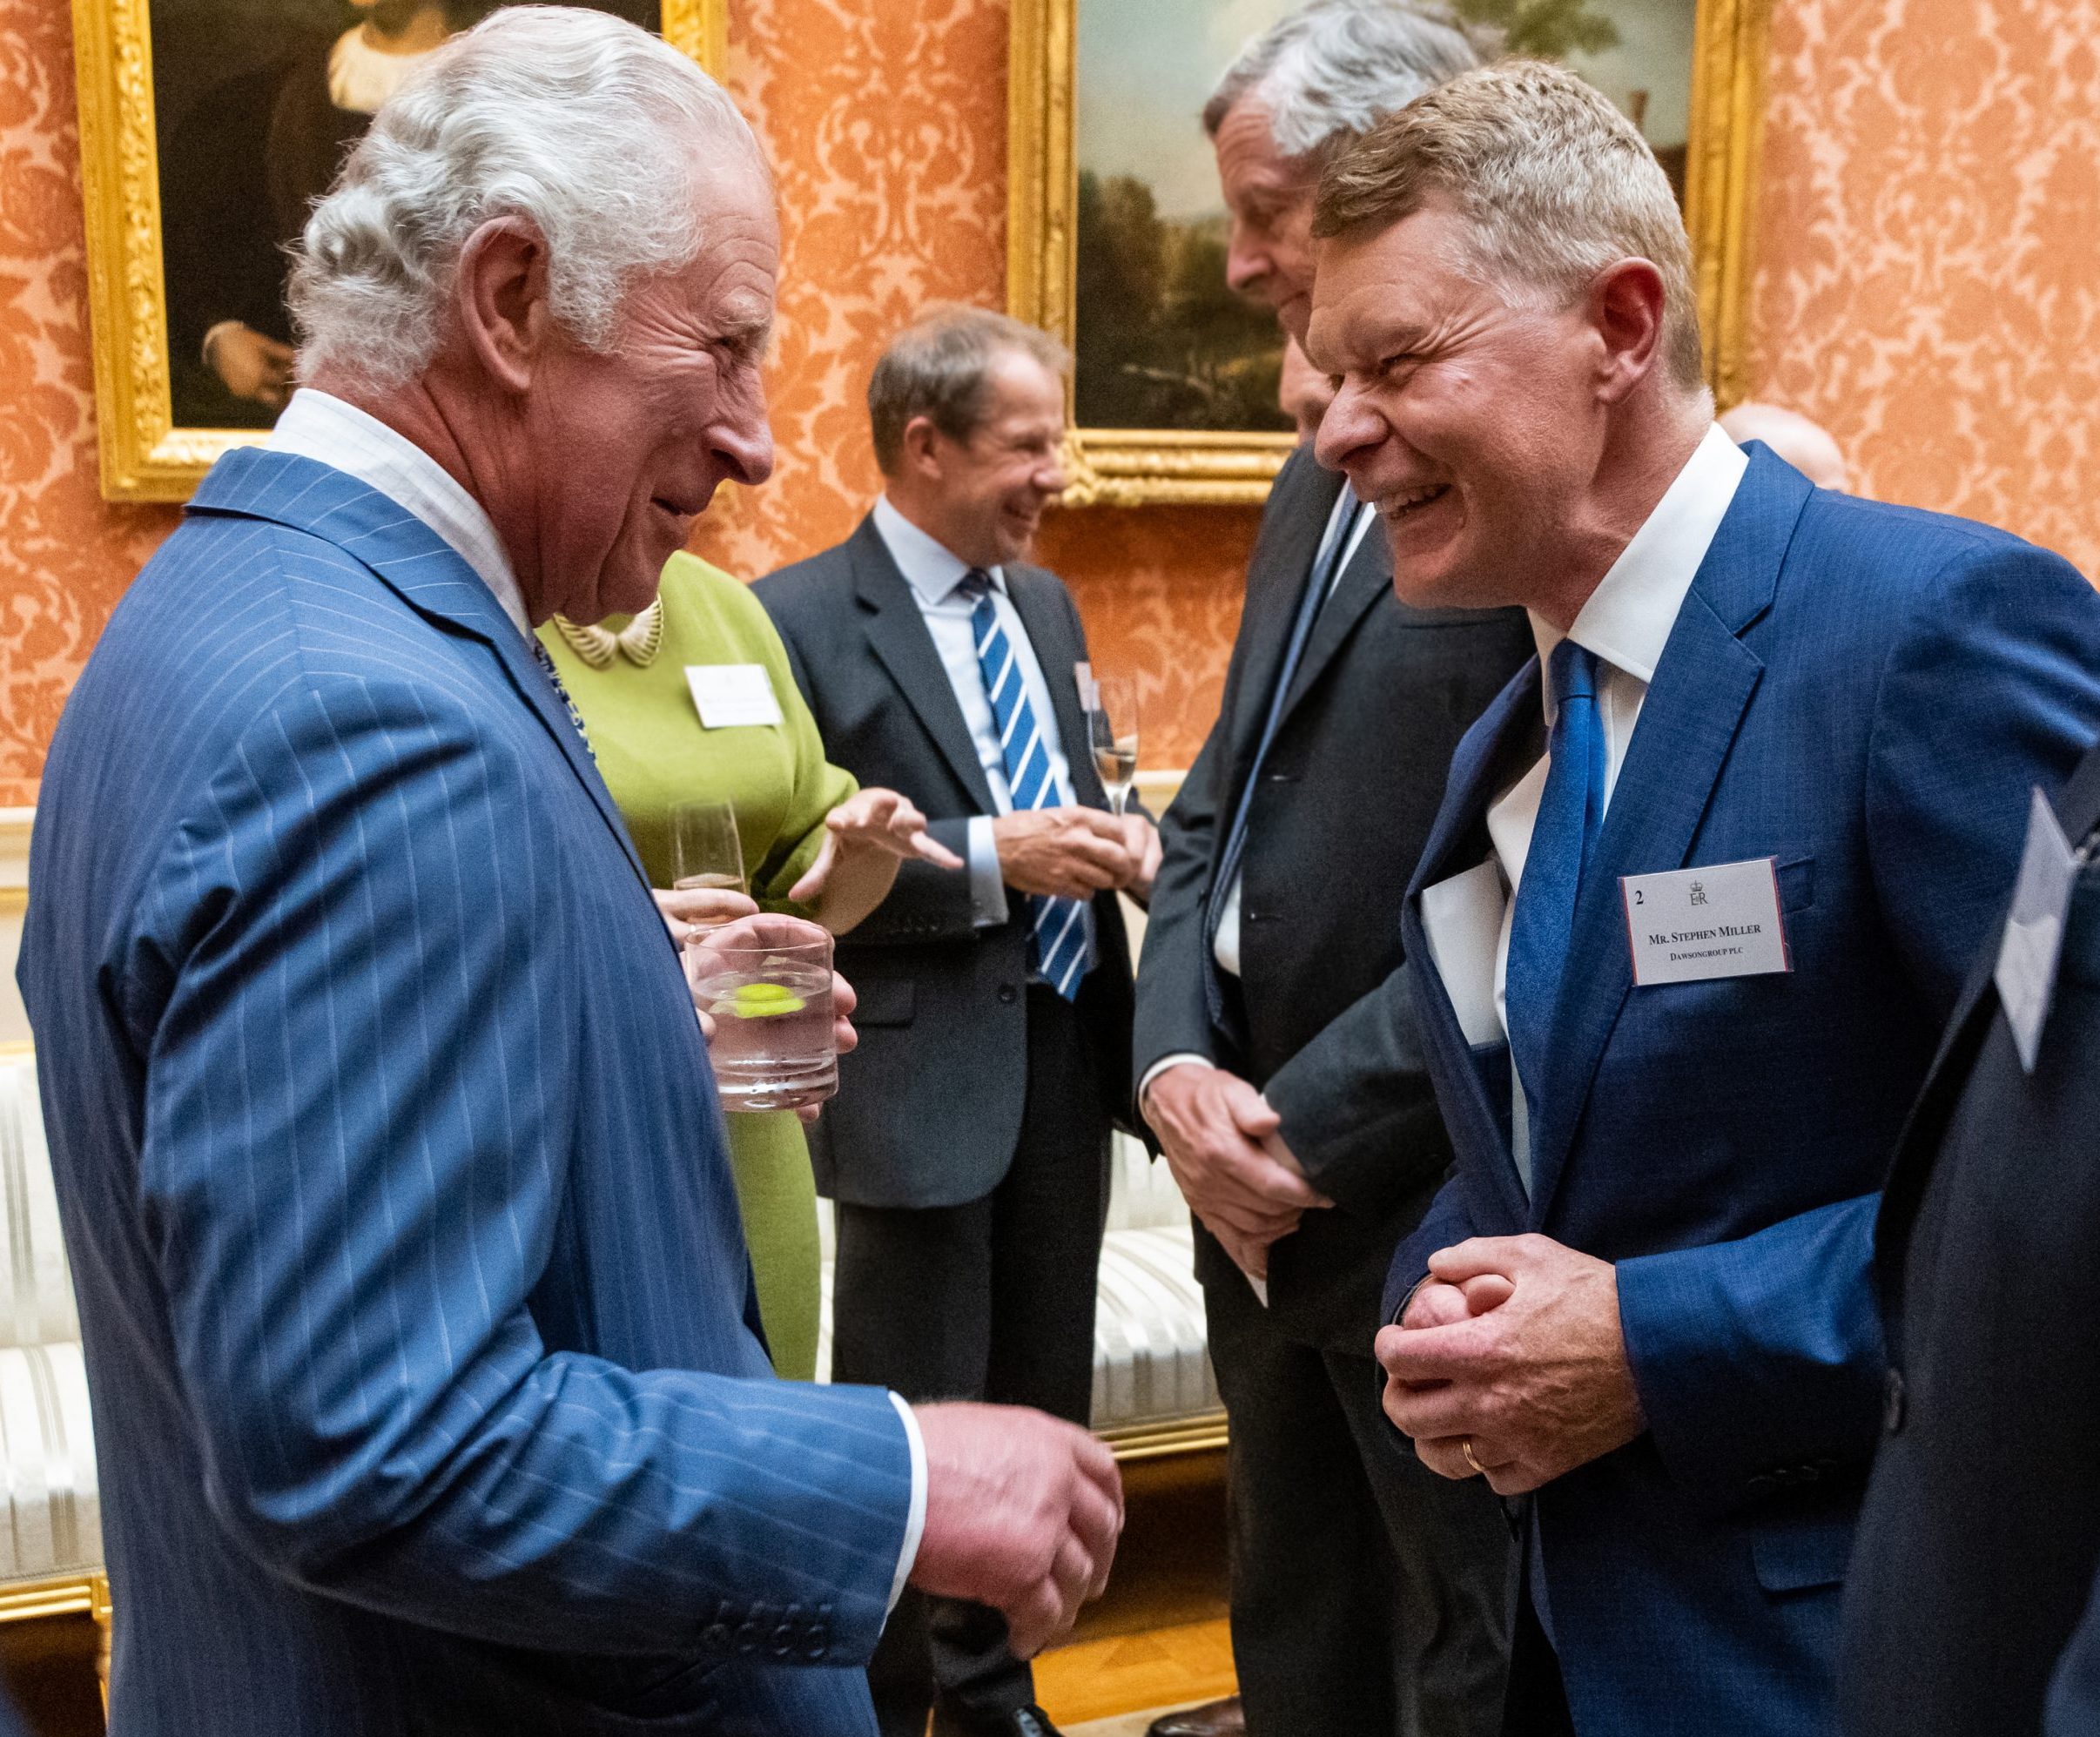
[871,821]
[1023,1513]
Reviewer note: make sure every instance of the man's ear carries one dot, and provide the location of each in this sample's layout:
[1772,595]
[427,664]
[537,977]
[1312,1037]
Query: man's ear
[499,294]
[1626,306]
[921,446]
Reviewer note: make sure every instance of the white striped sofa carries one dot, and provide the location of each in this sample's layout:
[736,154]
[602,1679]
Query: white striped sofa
[1154,1391]
[51,1527]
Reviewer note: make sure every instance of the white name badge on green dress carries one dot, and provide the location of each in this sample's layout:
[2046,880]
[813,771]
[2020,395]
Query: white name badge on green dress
[1690,924]
[728,696]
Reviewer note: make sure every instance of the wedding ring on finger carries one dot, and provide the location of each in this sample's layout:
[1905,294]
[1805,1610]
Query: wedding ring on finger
[1465,1447]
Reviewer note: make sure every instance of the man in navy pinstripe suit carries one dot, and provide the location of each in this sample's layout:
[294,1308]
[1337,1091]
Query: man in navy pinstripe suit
[427,1383]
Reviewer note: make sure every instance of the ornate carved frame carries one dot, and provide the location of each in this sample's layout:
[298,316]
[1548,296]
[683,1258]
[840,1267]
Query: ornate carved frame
[145,455]
[1122,467]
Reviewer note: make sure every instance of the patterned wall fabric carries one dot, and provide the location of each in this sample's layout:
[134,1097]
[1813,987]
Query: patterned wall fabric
[1930,204]
[1925,287]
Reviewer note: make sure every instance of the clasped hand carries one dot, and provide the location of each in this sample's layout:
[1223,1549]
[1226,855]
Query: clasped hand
[1074,852]
[1225,1147]
[1512,1345]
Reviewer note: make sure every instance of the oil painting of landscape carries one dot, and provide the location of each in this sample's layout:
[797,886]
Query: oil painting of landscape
[1161,342]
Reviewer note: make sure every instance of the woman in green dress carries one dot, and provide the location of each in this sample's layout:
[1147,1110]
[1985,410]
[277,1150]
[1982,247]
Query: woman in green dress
[815,844]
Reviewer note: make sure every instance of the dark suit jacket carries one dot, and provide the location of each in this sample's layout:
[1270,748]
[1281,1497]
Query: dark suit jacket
[1981,1529]
[1379,701]
[929,1107]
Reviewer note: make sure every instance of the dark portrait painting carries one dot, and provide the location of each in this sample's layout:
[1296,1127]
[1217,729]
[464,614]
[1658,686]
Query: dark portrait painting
[255,104]
[1161,342]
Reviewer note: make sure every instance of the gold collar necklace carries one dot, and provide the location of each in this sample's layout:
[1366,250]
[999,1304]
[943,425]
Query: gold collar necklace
[638,642]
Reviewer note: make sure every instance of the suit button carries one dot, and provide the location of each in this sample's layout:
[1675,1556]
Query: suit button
[1895,1403]
[1763,1484]
[717,1635]
[1006,992]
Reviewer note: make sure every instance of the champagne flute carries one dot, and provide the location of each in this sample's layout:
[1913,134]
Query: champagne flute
[1112,726]
[705,850]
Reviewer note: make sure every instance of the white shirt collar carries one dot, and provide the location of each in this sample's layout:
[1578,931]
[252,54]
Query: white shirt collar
[317,425]
[1627,620]
[930,567]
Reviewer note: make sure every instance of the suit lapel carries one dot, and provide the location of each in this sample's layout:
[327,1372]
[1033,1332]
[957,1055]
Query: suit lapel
[1304,501]
[424,570]
[1688,721]
[897,632]
[1492,754]
[2078,809]
[1368,577]
[1056,652]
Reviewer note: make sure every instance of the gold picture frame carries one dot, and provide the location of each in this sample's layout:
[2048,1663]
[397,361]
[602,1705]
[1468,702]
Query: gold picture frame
[146,456]
[1122,468]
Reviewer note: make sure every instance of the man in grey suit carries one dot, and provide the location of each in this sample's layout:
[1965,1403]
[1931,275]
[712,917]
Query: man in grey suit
[1368,1595]
[967,1149]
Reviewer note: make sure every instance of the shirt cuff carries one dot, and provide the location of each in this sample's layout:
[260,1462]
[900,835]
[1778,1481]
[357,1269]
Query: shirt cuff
[1161,1066]
[915,1522]
[987,884]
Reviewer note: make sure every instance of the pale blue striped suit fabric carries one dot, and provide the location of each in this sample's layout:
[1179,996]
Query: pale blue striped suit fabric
[427,1389]
[1059,943]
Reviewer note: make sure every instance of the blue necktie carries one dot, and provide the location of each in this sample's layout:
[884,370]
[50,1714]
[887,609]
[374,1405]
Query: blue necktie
[1570,811]
[1059,941]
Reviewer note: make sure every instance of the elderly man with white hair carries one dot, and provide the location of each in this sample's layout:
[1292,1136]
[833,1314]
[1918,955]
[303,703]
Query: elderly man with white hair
[428,1381]
[1367,1596]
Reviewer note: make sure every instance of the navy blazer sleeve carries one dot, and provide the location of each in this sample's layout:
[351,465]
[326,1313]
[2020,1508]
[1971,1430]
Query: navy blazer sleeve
[356,1140]
[1767,1351]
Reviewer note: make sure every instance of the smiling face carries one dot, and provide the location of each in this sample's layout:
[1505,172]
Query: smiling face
[627,449]
[983,498]
[1269,255]
[1472,421]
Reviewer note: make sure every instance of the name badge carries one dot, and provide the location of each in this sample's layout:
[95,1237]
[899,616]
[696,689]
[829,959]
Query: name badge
[1690,924]
[2033,929]
[731,694]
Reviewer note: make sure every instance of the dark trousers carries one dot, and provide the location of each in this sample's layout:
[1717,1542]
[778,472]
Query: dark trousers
[992,1300]
[1368,1595]
[1538,1705]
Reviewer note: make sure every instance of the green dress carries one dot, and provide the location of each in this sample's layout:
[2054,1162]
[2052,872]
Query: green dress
[654,754]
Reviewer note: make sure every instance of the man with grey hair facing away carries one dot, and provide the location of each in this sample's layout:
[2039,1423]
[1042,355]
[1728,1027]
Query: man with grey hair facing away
[1367,1596]
[428,1388]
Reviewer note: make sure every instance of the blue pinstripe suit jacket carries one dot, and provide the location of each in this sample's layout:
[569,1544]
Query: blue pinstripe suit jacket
[427,1387]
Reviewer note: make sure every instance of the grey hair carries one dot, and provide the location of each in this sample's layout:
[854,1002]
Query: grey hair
[937,367]
[1554,184]
[587,127]
[1331,71]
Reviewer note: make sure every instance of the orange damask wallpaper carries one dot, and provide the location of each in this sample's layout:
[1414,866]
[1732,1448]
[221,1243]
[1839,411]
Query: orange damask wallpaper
[1926,286]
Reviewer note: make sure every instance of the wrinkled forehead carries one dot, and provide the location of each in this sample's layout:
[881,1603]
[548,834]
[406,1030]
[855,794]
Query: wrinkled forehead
[1374,288]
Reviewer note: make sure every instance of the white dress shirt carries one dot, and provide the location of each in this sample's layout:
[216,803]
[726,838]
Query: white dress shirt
[326,429]
[1626,623]
[933,571]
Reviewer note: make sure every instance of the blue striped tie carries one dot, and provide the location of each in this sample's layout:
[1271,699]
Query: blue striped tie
[1059,939]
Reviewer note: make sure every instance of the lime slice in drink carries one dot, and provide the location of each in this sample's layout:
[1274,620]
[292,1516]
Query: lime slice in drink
[763,1001]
